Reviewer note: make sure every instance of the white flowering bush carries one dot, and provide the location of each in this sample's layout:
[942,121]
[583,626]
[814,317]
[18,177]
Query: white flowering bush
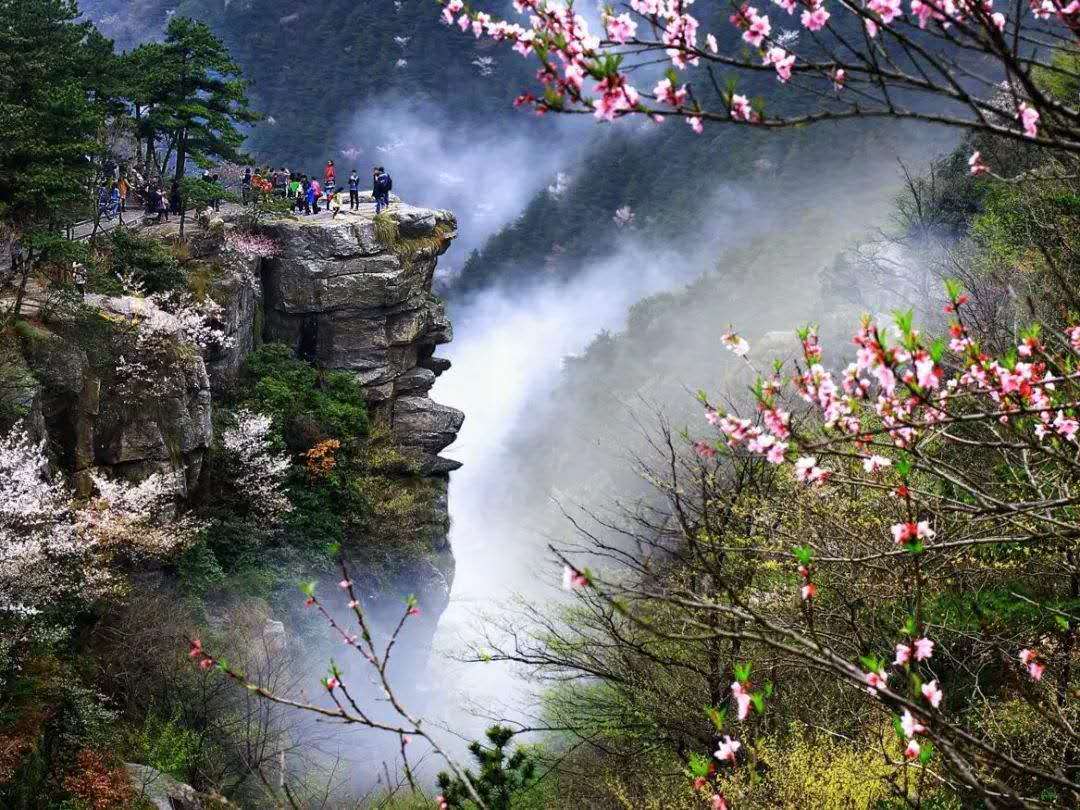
[59,555]
[254,468]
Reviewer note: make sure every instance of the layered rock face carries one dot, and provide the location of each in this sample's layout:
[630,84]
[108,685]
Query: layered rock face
[95,424]
[351,299]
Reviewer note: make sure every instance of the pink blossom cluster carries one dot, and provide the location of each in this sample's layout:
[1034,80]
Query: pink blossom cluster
[570,53]
[252,245]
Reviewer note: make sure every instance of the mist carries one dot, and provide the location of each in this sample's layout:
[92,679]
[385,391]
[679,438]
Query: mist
[537,440]
[485,173]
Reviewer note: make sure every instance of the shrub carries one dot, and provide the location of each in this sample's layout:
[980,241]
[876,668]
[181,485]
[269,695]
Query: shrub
[146,260]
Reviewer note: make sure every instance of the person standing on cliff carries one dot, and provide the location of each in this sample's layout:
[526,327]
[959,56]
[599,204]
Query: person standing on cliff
[354,191]
[317,189]
[381,189]
[330,175]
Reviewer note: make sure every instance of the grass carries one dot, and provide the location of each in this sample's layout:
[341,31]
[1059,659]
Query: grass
[388,233]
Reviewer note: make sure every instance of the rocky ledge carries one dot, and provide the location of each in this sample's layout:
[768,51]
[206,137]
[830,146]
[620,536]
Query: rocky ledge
[353,293]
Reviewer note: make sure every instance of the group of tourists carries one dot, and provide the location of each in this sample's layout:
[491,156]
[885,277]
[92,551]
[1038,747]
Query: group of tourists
[307,192]
[161,204]
[308,195]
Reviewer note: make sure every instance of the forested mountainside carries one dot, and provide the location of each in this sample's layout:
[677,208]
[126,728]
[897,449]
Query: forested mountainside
[312,66]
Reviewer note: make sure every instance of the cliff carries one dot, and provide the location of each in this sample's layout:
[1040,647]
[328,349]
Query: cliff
[351,294]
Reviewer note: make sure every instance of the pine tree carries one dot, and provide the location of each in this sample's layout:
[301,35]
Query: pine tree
[198,97]
[500,778]
[49,122]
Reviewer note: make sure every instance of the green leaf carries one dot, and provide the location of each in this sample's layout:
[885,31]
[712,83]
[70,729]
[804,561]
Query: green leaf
[926,752]
[308,588]
[937,350]
[699,765]
[1062,622]
[898,726]
[742,672]
[718,716]
[804,554]
[759,702]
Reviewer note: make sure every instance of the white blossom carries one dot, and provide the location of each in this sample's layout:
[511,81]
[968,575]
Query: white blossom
[257,471]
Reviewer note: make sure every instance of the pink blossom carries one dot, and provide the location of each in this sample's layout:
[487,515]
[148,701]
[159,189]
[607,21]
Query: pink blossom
[909,532]
[932,693]
[705,450]
[735,344]
[815,20]
[727,749]
[740,108]
[839,76]
[1073,333]
[976,164]
[924,649]
[617,98]
[344,584]
[718,802]
[573,579]
[912,751]
[354,604]
[903,655]
[1066,426]
[927,372]
[710,42]
[775,454]
[695,124]
[888,10]
[413,611]
[332,683]
[700,782]
[742,699]
[874,464]
[1029,119]
[666,92]
[621,28]
[998,19]
[574,75]
[782,61]
[910,725]
[757,26]
[876,680]
[1030,659]
[809,591]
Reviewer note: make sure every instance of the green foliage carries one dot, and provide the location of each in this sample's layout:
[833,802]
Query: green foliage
[198,95]
[48,118]
[165,744]
[307,405]
[501,778]
[147,259]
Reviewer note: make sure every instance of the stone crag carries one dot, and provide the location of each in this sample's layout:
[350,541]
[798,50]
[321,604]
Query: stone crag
[349,301]
[351,293]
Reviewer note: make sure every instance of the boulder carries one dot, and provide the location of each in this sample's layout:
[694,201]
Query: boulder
[161,791]
[425,424]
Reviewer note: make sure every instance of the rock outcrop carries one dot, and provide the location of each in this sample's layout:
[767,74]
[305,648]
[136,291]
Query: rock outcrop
[351,294]
[352,298]
[98,425]
[160,791]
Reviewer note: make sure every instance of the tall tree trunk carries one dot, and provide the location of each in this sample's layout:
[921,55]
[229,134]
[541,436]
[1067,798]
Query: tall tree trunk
[181,155]
[24,267]
[138,140]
